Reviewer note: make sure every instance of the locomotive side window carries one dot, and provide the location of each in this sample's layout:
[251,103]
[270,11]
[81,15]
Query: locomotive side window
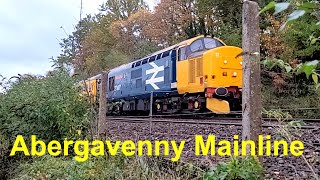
[158,56]
[165,54]
[182,53]
[144,61]
[211,43]
[111,83]
[138,63]
[152,59]
[197,46]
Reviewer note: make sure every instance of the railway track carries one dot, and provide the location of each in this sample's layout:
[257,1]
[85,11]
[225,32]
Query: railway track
[211,115]
[268,122]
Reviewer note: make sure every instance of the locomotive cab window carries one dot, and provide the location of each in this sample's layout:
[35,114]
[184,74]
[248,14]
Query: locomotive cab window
[197,46]
[211,43]
[204,44]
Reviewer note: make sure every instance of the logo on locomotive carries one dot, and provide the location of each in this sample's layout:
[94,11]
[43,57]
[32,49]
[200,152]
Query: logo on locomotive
[153,79]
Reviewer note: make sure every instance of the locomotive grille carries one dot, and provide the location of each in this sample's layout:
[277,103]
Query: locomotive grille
[192,71]
[199,67]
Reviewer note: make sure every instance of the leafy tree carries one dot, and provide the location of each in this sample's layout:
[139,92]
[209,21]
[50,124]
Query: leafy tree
[128,30]
[71,46]
[174,21]
[131,35]
[99,52]
[122,9]
[165,25]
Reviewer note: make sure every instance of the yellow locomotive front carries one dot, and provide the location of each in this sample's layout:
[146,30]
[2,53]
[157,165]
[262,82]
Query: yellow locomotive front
[210,70]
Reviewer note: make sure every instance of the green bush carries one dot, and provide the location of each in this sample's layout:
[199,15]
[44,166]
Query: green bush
[247,168]
[302,37]
[50,108]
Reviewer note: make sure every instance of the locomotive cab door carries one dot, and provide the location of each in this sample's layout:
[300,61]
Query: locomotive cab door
[182,75]
[189,71]
[173,56]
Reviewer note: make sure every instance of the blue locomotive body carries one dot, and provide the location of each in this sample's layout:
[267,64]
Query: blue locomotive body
[134,82]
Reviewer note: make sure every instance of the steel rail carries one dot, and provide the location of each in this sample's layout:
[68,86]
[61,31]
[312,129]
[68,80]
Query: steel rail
[150,120]
[182,114]
[232,113]
[289,109]
[211,118]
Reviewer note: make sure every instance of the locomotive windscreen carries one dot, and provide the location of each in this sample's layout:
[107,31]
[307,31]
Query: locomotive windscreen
[211,43]
[204,44]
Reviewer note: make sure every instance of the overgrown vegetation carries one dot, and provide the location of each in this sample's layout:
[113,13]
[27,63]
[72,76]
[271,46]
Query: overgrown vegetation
[121,167]
[239,168]
[118,167]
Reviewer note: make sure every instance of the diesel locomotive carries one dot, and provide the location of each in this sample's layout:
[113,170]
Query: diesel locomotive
[196,75]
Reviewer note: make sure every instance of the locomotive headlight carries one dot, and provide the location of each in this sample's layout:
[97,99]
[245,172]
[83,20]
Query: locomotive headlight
[225,62]
[235,74]
[241,63]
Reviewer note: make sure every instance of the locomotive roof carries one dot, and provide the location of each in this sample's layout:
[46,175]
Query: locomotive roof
[120,68]
[94,77]
[186,42]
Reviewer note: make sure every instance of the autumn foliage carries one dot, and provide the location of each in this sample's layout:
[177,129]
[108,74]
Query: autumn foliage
[127,30]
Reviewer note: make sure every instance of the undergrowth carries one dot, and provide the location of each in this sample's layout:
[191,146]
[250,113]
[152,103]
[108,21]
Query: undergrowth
[121,167]
[292,98]
[117,167]
[240,168]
